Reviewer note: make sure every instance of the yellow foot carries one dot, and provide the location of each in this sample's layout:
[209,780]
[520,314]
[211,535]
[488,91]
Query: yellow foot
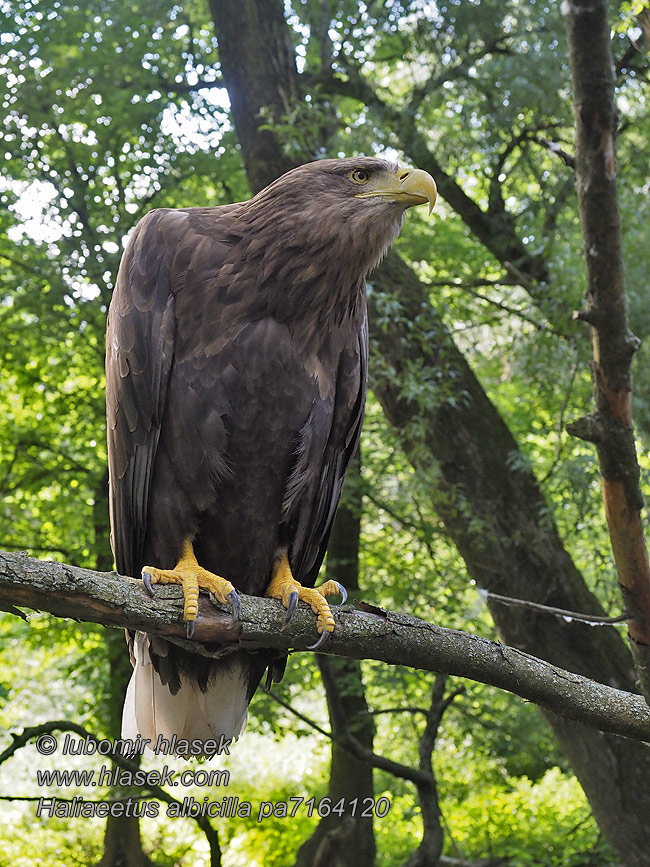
[284,587]
[192,577]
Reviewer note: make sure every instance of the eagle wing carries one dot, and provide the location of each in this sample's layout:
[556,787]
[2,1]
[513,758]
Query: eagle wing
[327,444]
[140,344]
[139,353]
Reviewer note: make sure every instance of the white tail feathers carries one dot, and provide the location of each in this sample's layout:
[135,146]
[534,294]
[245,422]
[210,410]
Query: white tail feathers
[151,711]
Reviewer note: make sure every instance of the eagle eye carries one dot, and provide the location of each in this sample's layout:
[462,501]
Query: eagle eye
[360,176]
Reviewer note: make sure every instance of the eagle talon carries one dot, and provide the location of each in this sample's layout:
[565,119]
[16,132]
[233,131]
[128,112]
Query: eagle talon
[146,580]
[343,593]
[189,628]
[321,641]
[235,604]
[291,607]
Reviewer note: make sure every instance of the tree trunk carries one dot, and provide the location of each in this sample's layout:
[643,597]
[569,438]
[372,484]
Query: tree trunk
[491,505]
[122,844]
[494,512]
[259,69]
[345,843]
[610,427]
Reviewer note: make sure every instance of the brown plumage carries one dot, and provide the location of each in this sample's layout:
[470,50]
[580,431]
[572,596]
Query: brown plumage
[236,366]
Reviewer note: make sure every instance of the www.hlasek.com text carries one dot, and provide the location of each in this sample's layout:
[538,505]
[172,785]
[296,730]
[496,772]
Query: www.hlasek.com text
[116,776]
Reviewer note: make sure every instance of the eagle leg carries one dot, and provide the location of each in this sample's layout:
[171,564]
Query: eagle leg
[284,587]
[192,578]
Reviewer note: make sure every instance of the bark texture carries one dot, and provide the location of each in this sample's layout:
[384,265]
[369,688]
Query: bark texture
[258,66]
[368,633]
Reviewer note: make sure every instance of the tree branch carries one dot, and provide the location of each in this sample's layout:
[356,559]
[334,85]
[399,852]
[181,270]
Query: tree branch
[591,619]
[368,633]
[351,744]
[554,148]
[428,852]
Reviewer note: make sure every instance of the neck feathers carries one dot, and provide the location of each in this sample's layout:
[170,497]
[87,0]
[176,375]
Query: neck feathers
[313,261]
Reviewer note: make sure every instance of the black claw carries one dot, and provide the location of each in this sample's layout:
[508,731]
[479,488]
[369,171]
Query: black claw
[235,604]
[146,580]
[291,607]
[342,592]
[321,641]
[189,627]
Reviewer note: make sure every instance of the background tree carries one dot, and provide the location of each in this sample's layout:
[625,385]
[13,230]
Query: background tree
[110,111]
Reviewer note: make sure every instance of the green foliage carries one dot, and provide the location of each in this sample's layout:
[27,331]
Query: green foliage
[515,823]
[48,843]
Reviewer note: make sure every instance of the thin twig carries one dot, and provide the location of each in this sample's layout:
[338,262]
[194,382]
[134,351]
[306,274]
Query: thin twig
[591,619]
[301,716]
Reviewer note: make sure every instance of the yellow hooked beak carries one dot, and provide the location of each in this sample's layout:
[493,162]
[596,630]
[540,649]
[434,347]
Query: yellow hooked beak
[407,186]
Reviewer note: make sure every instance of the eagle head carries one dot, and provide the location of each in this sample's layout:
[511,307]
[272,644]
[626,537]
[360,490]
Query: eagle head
[345,212]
